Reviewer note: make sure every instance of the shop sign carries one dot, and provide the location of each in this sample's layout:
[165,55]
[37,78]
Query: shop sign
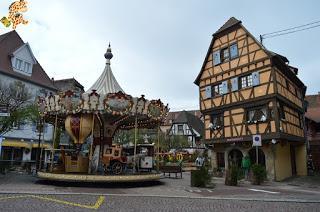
[238,139]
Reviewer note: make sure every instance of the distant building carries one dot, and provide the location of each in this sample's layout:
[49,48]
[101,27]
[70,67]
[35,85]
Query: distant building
[188,124]
[313,128]
[69,84]
[17,63]
[172,116]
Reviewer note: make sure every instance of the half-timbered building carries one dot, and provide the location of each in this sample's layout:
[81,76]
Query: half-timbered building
[247,90]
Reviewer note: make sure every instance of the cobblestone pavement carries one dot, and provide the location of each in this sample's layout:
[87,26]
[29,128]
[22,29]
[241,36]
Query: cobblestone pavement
[128,203]
[22,192]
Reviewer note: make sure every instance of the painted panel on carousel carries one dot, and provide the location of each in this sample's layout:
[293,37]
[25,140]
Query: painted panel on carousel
[118,103]
[156,109]
[79,127]
[69,102]
[84,105]
[94,100]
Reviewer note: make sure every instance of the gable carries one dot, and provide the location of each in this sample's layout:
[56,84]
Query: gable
[25,53]
[239,44]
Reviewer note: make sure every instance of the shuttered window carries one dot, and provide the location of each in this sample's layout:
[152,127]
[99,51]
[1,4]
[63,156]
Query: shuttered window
[216,57]
[255,78]
[208,92]
[234,50]
[224,87]
[234,84]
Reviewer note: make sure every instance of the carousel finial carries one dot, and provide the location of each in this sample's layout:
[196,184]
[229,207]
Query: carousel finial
[108,55]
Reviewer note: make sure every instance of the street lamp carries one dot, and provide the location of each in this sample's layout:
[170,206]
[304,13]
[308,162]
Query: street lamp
[40,128]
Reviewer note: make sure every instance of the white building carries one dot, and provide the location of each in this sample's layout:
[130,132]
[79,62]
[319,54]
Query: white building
[17,63]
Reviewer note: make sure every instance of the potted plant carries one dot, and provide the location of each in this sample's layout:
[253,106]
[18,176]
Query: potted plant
[259,174]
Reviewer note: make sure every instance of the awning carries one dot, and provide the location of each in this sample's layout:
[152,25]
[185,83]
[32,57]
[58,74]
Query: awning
[15,143]
[41,145]
[23,144]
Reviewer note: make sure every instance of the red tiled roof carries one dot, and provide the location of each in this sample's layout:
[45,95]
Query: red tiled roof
[11,41]
[313,111]
[313,114]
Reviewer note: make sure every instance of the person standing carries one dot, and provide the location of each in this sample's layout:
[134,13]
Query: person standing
[245,164]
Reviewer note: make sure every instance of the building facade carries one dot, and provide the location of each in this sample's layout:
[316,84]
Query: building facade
[18,64]
[247,90]
[313,129]
[189,125]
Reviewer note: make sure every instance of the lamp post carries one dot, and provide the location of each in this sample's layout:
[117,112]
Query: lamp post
[40,127]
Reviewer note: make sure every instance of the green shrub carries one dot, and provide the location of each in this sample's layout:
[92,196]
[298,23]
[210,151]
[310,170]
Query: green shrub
[200,178]
[232,176]
[259,173]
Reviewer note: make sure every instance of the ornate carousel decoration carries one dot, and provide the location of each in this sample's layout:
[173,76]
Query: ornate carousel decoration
[92,120]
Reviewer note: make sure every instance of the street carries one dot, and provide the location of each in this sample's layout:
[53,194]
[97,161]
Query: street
[22,192]
[141,203]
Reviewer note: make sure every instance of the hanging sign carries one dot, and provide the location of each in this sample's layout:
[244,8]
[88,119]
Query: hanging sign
[256,140]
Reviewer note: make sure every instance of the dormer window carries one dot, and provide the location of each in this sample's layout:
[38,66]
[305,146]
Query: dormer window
[22,60]
[23,66]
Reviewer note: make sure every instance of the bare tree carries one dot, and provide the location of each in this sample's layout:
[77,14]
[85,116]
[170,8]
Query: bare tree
[17,98]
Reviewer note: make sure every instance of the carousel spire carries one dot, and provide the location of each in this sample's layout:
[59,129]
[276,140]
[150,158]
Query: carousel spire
[108,55]
[106,83]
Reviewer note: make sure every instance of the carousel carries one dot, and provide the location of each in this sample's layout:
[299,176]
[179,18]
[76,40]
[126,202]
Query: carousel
[92,120]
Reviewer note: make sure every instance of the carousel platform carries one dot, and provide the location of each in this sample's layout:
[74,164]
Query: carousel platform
[99,178]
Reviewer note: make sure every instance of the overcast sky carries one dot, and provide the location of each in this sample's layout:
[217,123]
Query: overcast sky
[159,46]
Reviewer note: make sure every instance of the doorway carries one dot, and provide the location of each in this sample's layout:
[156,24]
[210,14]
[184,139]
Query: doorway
[235,158]
[293,159]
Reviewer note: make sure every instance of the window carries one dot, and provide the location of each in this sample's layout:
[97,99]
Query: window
[216,121]
[257,115]
[220,159]
[317,128]
[217,90]
[180,129]
[281,112]
[216,58]
[246,81]
[27,67]
[225,55]
[233,51]
[18,64]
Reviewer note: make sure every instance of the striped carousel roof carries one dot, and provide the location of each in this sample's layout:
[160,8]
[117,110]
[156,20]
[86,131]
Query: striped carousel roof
[106,83]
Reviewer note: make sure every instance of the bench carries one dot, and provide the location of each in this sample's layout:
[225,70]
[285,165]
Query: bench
[174,168]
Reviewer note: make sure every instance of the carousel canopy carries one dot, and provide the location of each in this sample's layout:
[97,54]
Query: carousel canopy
[107,100]
[106,83]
